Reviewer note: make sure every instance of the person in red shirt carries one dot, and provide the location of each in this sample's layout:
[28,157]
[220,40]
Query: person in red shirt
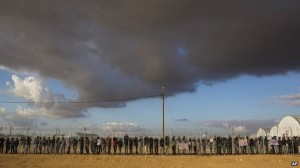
[115,144]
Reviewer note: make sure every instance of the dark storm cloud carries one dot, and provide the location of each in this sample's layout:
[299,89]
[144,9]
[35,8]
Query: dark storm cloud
[114,49]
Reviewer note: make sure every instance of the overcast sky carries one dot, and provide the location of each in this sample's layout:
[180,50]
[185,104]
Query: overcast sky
[223,63]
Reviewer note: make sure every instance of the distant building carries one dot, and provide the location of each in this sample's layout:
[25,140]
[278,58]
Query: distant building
[274,131]
[287,127]
[263,132]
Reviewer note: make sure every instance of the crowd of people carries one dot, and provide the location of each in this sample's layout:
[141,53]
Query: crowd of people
[150,145]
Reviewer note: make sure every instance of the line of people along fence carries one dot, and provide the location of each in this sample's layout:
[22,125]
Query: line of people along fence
[145,145]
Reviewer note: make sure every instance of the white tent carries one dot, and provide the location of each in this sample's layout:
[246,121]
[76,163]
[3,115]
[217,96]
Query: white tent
[289,126]
[274,131]
[263,132]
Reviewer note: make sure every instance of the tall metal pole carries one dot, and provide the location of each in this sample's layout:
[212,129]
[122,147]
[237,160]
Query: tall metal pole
[163,111]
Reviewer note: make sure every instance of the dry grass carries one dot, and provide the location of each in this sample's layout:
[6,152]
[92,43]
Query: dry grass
[264,161]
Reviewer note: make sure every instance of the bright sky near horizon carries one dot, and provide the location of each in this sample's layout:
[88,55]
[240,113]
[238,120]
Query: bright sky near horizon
[224,65]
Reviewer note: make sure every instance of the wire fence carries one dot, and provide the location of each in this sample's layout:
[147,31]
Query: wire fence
[86,140]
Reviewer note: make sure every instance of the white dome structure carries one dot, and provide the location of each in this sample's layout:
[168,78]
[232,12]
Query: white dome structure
[263,132]
[274,131]
[289,126]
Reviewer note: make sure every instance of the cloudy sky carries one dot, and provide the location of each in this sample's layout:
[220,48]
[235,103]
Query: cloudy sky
[232,64]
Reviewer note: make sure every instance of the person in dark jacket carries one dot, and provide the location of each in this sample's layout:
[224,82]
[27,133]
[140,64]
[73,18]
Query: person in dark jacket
[1,144]
[130,145]
[7,145]
[155,145]
[115,144]
[161,146]
[135,143]
[120,145]
[126,143]
[151,145]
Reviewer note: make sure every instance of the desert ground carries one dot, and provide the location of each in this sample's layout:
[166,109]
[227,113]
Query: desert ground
[241,161]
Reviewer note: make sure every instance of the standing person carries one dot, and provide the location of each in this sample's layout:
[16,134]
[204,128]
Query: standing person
[275,143]
[48,145]
[93,145]
[103,144]
[260,145]
[224,145]
[229,145]
[87,145]
[236,145]
[1,144]
[57,147]
[120,145]
[12,146]
[173,143]
[62,146]
[44,145]
[283,146]
[53,145]
[219,145]
[115,144]
[22,143]
[108,145]
[146,145]
[161,146]
[199,149]
[68,144]
[252,145]
[155,145]
[266,145]
[190,146]
[246,141]
[17,145]
[178,142]
[81,145]
[167,145]
[203,143]
[98,148]
[141,145]
[40,145]
[279,145]
[7,145]
[194,146]
[241,145]
[27,145]
[211,144]
[135,143]
[151,145]
[74,144]
[36,145]
[130,145]
[126,143]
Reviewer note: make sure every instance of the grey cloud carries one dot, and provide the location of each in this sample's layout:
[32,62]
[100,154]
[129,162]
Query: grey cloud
[22,118]
[113,49]
[290,100]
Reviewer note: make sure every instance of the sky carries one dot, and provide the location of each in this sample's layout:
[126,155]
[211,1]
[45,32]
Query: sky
[224,65]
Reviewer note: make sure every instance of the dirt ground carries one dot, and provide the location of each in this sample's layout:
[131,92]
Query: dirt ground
[241,161]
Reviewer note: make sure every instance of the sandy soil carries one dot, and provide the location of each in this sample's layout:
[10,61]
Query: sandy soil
[19,160]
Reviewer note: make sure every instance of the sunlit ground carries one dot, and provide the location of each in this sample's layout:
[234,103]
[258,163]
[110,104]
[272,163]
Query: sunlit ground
[45,160]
